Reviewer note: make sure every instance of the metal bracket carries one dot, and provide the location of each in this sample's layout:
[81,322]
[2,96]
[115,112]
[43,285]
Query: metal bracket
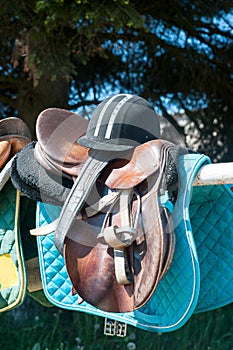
[113,327]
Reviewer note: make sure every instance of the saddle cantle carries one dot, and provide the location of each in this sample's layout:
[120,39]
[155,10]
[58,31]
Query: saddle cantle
[43,170]
[57,131]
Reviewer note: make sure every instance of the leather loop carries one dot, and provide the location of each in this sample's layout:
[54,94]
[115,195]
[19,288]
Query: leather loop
[119,237]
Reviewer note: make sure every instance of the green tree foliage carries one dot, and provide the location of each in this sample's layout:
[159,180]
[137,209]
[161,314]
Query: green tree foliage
[72,53]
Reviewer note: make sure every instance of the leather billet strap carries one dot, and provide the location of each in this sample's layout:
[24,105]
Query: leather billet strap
[79,192]
[121,237]
[122,266]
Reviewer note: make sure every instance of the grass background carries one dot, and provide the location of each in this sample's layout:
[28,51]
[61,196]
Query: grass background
[35,327]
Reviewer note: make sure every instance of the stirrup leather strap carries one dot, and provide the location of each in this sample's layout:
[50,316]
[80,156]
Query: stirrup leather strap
[121,237]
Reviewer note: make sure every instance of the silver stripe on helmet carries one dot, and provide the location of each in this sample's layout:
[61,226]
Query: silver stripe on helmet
[97,128]
[114,114]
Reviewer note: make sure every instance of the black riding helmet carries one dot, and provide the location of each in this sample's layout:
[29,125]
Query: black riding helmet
[121,122]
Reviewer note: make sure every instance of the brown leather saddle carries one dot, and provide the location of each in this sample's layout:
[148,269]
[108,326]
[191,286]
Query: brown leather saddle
[132,243]
[114,231]
[14,135]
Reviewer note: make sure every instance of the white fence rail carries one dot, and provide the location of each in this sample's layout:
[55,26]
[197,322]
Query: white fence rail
[214,174]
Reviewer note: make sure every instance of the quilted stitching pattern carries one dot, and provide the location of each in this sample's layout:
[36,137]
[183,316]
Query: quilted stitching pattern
[9,297]
[57,286]
[212,221]
[56,283]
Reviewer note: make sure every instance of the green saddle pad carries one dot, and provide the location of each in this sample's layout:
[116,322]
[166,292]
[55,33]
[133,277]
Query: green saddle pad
[12,267]
[19,268]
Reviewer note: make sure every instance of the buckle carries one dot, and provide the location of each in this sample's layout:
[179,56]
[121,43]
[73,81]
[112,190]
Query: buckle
[121,329]
[113,327]
[110,327]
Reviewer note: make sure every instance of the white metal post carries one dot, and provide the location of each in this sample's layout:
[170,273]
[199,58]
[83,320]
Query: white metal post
[214,174]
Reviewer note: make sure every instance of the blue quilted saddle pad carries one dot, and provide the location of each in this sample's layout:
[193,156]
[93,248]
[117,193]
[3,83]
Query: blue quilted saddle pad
[200,276]
[175,297]
[211,215]
[179,288]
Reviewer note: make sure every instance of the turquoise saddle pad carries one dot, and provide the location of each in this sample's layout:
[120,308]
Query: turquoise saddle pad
[211,216]
[200,277]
